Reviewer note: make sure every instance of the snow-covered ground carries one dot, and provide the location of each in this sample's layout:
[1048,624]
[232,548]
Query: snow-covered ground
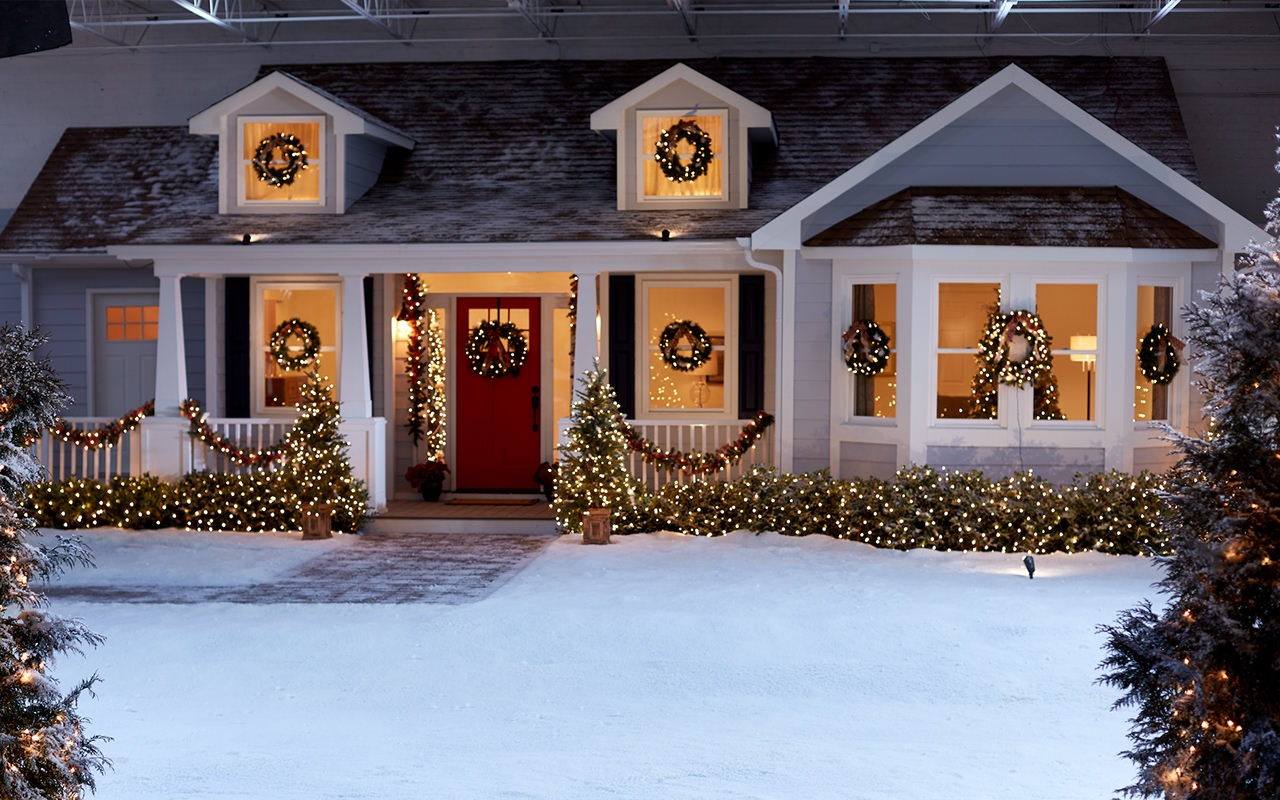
[657,668]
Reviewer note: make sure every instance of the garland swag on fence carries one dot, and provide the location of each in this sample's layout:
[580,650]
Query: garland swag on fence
[698,463]
[190,409]
[106,436]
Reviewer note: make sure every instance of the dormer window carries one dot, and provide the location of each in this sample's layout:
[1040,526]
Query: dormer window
[684,142]
[683,155]
[282,160]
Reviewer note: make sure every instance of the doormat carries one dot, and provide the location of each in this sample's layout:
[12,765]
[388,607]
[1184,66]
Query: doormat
[492,501]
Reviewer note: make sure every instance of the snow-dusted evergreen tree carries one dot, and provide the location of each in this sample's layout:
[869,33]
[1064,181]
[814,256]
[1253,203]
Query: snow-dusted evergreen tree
[45,753]
[593,463]
[1204,673]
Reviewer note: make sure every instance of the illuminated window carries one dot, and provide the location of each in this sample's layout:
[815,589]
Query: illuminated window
[132,323]
[312,304]
[705,387]
[1069,312]
[963,310]
[692,144]
[877,395]
[1155,307]
[280,143]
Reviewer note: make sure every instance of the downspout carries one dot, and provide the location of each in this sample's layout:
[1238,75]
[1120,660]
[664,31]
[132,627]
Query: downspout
[784,374]
[23,273]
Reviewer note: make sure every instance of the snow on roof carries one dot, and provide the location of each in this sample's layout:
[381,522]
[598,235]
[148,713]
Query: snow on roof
[505,152]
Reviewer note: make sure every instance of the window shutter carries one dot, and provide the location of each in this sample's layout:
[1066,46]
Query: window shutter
[751,319]
[622,341]
[236,343]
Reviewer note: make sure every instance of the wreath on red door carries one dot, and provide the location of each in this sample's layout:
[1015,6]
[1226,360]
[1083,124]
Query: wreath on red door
[495,349]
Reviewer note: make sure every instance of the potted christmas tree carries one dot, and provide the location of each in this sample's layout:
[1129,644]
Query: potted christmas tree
[592,481]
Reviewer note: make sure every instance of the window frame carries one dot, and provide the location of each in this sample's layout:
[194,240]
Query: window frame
[259,346]
[729,349]
[643,155]
[243,163]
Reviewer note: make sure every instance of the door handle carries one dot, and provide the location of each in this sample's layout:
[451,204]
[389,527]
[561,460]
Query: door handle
[535,401]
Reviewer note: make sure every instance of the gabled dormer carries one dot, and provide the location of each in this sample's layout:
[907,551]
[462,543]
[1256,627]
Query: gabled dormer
[684,141]
[286,147]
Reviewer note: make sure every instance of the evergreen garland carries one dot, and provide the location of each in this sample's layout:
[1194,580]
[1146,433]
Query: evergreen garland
[698,463]
[44,749]
[106,436]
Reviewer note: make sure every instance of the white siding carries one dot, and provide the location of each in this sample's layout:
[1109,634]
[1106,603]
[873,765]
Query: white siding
[811,432]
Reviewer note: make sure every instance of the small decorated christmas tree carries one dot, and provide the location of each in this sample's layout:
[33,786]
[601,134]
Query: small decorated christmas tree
[315,468]
[44,750]
[592,472]
[1203,673]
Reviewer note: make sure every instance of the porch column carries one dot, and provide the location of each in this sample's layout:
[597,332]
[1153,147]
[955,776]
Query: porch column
[354,391]
[171,353]
[166,448]
[586,340]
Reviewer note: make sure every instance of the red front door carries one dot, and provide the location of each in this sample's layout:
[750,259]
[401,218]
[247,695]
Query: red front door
[498,442]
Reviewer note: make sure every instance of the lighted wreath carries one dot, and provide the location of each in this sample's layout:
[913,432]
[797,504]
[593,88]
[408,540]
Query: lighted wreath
[680,336]
[496,349]
[685,130]
[1015,346]
[1159,355]
[264,163]
[308,337]
[865,347]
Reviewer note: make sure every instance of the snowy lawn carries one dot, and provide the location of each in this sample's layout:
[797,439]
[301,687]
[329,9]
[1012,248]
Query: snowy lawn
[659,667]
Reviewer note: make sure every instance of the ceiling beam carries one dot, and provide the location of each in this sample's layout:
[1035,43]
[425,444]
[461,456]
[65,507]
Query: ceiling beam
[536,14]
[1003,7]
[89,16]
[380,13]
[223,13]
[1162,8]
[686,15]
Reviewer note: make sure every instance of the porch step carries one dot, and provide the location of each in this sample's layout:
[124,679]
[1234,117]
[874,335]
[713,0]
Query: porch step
[545,527]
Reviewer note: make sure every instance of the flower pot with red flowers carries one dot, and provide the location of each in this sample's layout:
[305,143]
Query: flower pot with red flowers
[545,475]
[428,478]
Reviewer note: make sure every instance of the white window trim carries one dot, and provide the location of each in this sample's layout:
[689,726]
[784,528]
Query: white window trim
[729,348]
[644,154]
[1099,282]
[331,354]
[845,400]
[243,163]
[1179,387]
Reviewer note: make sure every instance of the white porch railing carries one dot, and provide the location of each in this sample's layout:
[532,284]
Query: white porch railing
[69,460]
[66,460]
[247,434]
[688,437]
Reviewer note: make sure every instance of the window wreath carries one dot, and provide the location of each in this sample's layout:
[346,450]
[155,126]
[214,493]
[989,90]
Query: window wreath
[495,349]
[307,335]
[865,347]
[1159,356]
[295,159]
[667,157]
[698,343]
[1015,346]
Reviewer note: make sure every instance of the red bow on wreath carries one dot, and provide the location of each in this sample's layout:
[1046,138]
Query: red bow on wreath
[495,352]
[858,331]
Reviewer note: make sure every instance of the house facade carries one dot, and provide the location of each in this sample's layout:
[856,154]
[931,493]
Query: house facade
[838,243]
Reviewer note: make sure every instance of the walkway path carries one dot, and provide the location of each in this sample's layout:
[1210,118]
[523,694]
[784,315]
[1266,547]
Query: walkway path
[445,569]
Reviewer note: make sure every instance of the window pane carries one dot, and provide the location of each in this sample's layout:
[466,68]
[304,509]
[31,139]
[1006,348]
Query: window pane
[316,307]
[132,323]
[963,310]
[1155,307]
[705,306]
[1070,315]
[877,395]
[306,183]
[656,183]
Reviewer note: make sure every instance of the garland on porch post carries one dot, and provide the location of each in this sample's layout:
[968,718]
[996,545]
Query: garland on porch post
[424,369]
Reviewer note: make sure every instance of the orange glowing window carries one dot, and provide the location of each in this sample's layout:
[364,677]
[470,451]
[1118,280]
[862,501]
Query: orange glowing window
[132,323]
